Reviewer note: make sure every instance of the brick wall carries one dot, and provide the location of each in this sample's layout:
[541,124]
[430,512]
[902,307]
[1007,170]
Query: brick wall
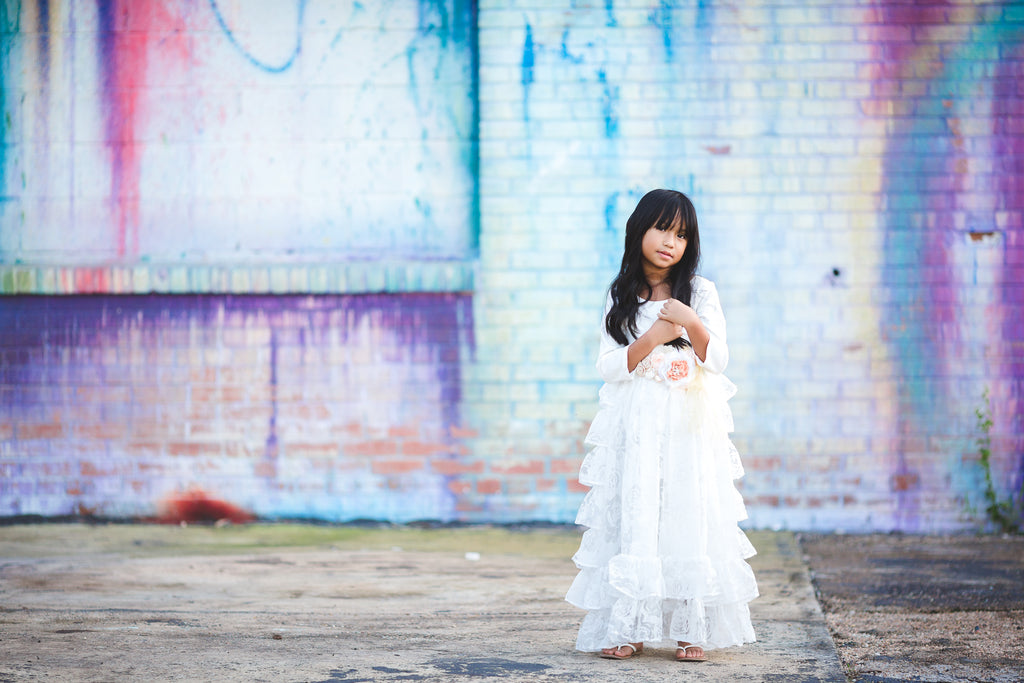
[329,407]
[856,171]
[856,168]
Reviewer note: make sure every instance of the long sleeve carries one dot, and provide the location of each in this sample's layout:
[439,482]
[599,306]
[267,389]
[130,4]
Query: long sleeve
[612,363]
[709,310]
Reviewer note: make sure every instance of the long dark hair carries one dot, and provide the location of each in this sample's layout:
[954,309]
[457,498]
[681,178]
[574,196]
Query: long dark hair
[657,210]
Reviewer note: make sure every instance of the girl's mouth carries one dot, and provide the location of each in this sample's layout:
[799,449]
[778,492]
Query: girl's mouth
[665,254]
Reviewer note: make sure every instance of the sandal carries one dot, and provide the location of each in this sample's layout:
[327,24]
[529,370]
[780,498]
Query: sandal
[612,654]
[684,658]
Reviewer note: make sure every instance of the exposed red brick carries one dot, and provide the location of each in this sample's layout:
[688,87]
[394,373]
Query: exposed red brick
[143,447]
[28,430]
[396,466]
[310,449]
[207,375]
[402,431]
[245,412]
[107,393]
[904,482]
[193,449]
[232,394]
[762,464]
[574,486]
[821,463]
[463,432]
[87,469]
[518,467]
[350,428]
[488,486]
[543,485]
[566,465]
[382,447]
[459,487]
[266,469]
[424,448]
[99,431]
[450,467]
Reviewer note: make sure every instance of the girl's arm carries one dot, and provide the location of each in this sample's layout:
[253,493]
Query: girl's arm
[704,324]
[615,361]
[661,331]
[679,313]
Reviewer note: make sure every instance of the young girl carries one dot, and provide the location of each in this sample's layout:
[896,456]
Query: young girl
[663,558]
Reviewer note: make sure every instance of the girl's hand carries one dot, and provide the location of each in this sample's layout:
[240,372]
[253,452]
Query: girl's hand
[675,311]
[663,331]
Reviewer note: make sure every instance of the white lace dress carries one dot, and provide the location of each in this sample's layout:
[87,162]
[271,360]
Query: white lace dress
[663,558]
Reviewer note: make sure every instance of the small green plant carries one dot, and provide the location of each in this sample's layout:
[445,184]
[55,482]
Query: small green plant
[1007,514]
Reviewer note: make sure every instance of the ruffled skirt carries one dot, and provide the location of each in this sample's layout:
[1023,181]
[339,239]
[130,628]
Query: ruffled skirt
[663,558]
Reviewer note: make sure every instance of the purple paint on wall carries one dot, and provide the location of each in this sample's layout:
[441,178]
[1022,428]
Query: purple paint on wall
[916,323]
[330,407]
[1008,118]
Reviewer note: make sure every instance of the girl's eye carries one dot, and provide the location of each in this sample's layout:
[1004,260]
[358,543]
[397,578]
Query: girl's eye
[681,235]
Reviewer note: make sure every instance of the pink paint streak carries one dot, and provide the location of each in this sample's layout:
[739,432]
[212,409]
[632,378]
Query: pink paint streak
[128,31]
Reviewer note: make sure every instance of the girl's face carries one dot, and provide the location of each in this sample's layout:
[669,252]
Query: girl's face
[662,249]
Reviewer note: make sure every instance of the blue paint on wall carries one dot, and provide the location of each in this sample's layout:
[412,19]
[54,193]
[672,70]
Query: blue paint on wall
[609,97]
[433,18]
[251,58]
[609,214]
[458,27]
[527,70]
[703,21]
[472,30]
[566,55]
[6,122]
[662,18]
[609,9]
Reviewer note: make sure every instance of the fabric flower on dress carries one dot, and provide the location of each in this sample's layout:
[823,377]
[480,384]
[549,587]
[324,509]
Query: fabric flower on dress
[678,370]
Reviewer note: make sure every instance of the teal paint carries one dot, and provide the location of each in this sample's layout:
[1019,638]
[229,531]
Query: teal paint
[6,123]
[526,75]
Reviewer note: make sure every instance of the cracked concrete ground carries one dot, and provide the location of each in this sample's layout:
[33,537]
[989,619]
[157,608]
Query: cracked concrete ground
[306,603]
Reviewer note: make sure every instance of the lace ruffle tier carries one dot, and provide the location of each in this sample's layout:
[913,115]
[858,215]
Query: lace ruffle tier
[663,558]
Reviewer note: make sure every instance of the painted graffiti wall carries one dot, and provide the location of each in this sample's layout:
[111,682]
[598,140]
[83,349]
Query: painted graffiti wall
[346,260]
[185,134]
[330,407]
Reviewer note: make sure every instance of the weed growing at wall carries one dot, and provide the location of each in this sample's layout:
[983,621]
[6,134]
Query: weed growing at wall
[1006,514]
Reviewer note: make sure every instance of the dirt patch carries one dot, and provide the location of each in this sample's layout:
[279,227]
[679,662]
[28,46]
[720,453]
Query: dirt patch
[922,608]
